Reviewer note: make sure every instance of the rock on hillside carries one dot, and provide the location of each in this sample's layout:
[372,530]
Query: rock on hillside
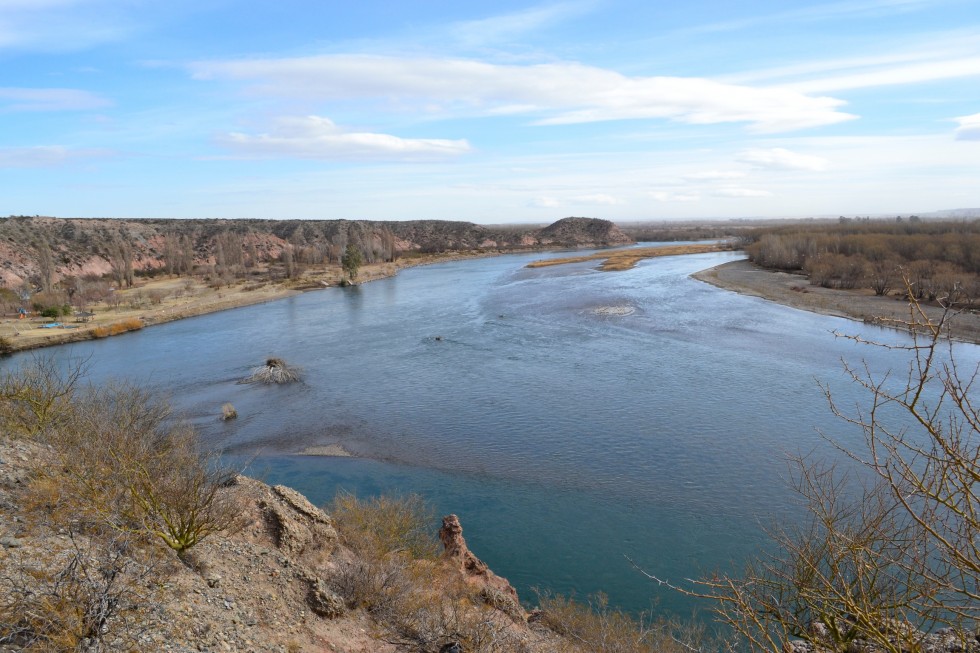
[584,232]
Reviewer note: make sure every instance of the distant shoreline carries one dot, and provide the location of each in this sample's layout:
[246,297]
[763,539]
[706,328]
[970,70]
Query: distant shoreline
[795,291]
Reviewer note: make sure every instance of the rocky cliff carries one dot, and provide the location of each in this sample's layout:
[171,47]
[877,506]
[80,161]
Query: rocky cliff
[80,247]
[283,581]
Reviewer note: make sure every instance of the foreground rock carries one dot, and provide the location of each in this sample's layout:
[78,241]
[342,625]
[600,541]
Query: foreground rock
[271,586]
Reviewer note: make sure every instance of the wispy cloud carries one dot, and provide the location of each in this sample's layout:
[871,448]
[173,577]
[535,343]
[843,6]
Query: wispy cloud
[62,25]
[49,99]
[714,175]
[597,198]
[969,129]
[545,203]
[315,137]
[735,191]
[45,156]
[663,196]
[502,28]
[778,158]
[892,75]
[817,13]
[551,92]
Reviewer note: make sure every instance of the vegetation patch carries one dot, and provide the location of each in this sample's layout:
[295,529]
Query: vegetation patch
[625,259]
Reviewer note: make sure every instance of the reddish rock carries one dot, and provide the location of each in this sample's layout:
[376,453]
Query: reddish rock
[473,569]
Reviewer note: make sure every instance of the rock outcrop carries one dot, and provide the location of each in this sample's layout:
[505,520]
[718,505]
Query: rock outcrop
[583,232]
[473,569]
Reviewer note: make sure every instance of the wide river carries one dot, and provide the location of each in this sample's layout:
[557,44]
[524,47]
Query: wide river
[574,419]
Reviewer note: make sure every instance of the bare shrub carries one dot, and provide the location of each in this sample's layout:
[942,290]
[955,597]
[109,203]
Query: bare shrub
[879,564]
[39,395]
[91,598]
[124,461]
[435,621]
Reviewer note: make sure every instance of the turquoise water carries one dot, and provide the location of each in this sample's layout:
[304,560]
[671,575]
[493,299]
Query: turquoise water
[575,420]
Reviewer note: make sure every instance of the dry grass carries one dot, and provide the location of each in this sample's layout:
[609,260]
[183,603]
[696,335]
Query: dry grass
[625,259]
[383,525]
[597,628]
[114,329]
[275,371]
[228,412]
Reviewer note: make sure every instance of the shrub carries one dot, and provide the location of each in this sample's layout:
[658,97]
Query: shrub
[386,524]
[38,396]
[878,563]
[82,599]
[597,628]
[121,460]
[6,346]
[124,461]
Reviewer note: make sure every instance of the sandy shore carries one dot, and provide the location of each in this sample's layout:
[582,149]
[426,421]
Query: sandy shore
[795,290]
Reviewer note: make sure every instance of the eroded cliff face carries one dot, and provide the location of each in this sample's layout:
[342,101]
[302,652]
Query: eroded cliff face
[282,581]
[80,247]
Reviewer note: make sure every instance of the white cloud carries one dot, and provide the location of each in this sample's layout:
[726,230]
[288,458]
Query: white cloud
[597,198]
[662,196]
[969,129]
[553,91]
[777,158]
[714,175]
[44,156]
[545,202]
[314,137]
[733,191]
[49,99]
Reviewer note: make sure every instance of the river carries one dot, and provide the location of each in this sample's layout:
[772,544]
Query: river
[574,420]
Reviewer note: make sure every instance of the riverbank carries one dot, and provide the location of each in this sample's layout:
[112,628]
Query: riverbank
[161,300]
[794,290]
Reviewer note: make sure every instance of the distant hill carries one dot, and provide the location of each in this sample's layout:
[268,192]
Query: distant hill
[82,247]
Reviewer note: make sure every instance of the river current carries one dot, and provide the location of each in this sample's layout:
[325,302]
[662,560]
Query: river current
[578,422]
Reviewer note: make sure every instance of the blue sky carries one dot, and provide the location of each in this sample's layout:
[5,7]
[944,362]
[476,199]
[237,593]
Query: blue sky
[489,112]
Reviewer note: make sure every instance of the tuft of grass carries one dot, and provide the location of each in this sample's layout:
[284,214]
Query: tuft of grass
[228,412]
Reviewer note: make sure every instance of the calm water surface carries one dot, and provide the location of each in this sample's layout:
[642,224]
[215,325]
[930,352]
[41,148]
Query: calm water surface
[572,418]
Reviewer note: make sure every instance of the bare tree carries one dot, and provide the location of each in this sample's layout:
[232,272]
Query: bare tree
[881,562]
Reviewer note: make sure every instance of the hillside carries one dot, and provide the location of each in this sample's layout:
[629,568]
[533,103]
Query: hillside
[41,250]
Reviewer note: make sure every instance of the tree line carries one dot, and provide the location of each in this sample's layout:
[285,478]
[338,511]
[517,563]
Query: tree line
[940,259]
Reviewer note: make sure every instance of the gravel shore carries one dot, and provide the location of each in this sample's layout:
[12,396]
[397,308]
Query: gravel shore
[795,290]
